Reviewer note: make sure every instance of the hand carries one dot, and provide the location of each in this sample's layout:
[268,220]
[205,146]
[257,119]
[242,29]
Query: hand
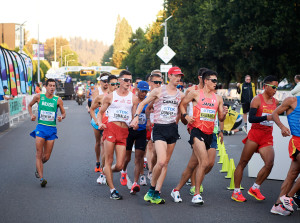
[33,117]
[285,131]
[102,126]
[190,119]
[59,118]
[269,117]
[221,135]
[134,123]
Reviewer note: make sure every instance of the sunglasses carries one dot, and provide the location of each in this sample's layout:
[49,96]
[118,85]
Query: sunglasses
[272,86]
[156,82]
[114,84]
[145,92]
[214,80]
[127,80]
[104,81]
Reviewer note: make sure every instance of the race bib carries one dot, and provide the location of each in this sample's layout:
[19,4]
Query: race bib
[142,119]
[207,115]
[168,112]
[266,122]
[47,116]
[121,115]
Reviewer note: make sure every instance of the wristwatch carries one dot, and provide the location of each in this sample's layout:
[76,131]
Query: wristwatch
[136,115]
[184,115]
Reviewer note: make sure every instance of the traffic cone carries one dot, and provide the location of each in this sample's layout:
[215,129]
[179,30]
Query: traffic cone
[225,166]
[232,186]
[231,169]
[222,155]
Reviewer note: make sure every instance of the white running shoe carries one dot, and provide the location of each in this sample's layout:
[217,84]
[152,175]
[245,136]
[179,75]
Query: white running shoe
[176,196]
[143,181]
[197,199]
[101,179]
[149,176]
[287,202]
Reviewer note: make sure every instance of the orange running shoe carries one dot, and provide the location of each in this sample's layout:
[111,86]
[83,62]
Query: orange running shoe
[98,168]
[135,188]
[256,193]
[123,179]
[238,196]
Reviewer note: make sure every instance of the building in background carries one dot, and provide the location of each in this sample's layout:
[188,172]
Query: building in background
[10,34]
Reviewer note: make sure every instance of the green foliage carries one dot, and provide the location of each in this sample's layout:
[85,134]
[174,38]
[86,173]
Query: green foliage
[107,57]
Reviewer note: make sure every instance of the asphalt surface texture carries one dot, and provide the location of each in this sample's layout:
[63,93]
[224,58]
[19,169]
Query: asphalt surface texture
[72,194]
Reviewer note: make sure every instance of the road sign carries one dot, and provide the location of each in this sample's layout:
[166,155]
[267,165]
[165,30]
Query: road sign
[165,67]
[166,54]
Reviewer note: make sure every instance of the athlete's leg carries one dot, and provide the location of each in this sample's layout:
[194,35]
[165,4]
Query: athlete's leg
[127,159]
[248,151]
[149,154]
[161,151]
[193,177]
[138,163]
[109,157]
[211,159]
[120,158]
[189,170]
[267,154]
[294,189]
[97,144]
[160,181]
[48,147]
[102,152]
[39,144]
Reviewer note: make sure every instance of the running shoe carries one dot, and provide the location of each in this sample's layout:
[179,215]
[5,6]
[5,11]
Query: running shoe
[280,209]
[123,179]
[143,181]
[287,202]
[238,196]
[197,199]
[156,199]
[98,168]
[115,195]
[101,179]
[135,188]
[297,201]
[148,196]
[149,176]
[36,174]
[201,189]
[43,183]
[176,196]
[189,182]
[192,190]
[256,193]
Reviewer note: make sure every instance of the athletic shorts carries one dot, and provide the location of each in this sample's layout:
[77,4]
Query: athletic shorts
[137,137]
[45,132]
[246,107]
[165,132]
[89,103]
[207,139]
[214,142]
[294,147]
[149,133]
[115,133]
[93,123]
[261,137]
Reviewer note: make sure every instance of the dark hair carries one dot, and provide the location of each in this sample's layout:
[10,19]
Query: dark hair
[201,71]
[91,82]
[270,79]
[154,75]
[138,78]
[147,77]
[4,87]
[105,74]
[49,80]
[206,74]
[111,77]
[124,72]
[297,77]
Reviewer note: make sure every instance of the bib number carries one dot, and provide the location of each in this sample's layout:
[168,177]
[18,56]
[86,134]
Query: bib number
[47,116]
[142,119]
[121,115]
[266,122]
[207,115]
[168,112]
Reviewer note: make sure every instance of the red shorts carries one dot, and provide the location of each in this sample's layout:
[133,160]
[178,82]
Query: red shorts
[149,133]
[261,137]
[115,133]
[294,147]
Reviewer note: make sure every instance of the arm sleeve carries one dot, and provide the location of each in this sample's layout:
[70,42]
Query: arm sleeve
[253,118]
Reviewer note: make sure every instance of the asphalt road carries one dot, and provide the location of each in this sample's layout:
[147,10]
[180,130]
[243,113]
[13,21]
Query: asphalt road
[72,194]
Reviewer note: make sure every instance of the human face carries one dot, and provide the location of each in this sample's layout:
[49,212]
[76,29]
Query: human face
[113,85]
[125,81]
[137,82]
[271,88]
[155,82]
[247,79]
[211,82]
[50,88]
[142,94]
[104,84]
[175,79]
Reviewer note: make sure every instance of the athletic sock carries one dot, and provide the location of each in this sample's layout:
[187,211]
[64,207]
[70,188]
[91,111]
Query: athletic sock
[122,171]
[156,192]
[112,190]
[175,190]
[152,188]
[237,190]
[255,186]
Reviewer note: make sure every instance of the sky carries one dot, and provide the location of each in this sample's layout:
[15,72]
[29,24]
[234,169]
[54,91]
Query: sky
[89,19]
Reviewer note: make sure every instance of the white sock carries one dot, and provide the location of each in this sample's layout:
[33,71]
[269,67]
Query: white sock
[112,190]
[255,186]
[237,190]
[145,158]
[122,171]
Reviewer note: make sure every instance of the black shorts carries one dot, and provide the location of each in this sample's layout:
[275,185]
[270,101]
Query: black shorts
[246,107]
[207,139]
[166,132]
[89,103]
[137,137]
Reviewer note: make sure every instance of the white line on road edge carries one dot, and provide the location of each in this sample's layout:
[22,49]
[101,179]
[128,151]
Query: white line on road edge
[129,183]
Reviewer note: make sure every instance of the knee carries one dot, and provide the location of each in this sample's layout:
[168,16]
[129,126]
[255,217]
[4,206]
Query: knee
[119,166]
[269,165]
[161,163]
[46,158]
[210,165]
[243,163]
[204,164]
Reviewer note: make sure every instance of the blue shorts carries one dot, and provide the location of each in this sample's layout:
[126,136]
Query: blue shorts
[214,142]
[93,123]
[45,132]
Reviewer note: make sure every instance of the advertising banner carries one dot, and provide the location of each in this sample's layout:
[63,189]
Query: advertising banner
[4,116]
[15,106]
[35,51]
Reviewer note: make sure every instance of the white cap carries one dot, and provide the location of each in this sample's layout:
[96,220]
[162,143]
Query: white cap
[104,78]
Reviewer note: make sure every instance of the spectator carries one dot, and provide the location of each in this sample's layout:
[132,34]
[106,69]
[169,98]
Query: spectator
[37,88]
[247,91]
[5,96]
[296,90]
[44,88]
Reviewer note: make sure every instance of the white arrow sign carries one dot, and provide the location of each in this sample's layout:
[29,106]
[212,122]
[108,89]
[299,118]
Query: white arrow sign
[166,54]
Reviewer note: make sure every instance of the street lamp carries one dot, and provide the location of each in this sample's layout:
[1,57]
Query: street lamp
[66,57]
[165,24]
[20,28]
[61,54]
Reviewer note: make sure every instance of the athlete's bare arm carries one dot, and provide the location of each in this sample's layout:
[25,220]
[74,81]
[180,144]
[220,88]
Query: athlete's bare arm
[36,99]
[187,99]
[179,113]
[60,104]
[255,103]
[222,111]
[96,103]
[105,104]
[285,106]
[148,111]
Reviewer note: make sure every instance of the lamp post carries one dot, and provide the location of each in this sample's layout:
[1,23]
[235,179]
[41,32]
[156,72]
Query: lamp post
[61,54]
[66,57]
[20,28]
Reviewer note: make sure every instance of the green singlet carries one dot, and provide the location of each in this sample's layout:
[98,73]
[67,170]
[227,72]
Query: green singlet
[47,110]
